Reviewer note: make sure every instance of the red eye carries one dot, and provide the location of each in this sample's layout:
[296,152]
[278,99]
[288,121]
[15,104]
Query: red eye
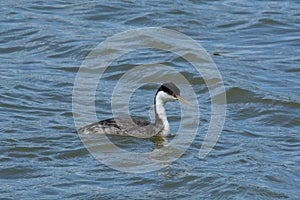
[173,94]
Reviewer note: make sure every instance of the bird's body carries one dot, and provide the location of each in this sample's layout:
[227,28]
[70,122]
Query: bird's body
[137,127]
[131,126]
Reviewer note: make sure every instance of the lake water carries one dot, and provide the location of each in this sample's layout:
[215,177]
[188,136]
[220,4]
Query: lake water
[256,47]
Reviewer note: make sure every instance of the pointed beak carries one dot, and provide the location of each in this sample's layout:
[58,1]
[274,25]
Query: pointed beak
[184,100]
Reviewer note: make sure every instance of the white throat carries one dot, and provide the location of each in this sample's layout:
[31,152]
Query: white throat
[160,99]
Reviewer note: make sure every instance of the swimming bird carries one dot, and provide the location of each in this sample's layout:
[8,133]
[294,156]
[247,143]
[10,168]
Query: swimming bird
[137,127]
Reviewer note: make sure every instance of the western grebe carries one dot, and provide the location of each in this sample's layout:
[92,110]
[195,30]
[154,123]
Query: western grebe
[137,127]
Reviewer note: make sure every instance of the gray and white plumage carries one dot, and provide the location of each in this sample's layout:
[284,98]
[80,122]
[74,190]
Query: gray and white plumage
[137,127]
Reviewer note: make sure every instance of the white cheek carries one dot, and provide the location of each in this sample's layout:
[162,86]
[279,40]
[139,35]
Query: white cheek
[165,97]
[171,98]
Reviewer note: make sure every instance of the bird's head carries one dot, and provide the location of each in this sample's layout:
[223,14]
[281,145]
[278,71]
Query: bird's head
[170,92]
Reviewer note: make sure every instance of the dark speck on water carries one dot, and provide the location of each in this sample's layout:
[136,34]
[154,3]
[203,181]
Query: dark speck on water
[256,46]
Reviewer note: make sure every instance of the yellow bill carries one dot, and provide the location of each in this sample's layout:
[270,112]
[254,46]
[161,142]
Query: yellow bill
[184,100]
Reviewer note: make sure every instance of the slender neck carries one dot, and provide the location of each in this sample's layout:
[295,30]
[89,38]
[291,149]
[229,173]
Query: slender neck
[160,115]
